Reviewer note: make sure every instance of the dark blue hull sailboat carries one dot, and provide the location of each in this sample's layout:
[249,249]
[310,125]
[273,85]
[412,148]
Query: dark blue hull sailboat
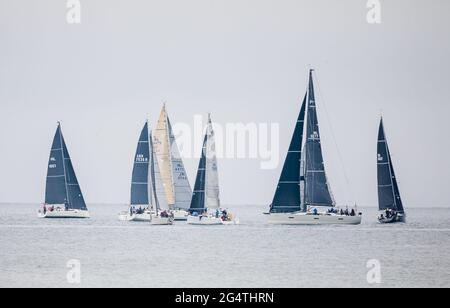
[389,200]
[303,195]
[63,196]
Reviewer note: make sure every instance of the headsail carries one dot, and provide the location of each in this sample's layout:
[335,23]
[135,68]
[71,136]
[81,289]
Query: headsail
[317,192]
[62,185]
[159,199]
[161,141]
[140,193]
[388,191]
[287,196]
[212,174]
[182,188]
[198,196]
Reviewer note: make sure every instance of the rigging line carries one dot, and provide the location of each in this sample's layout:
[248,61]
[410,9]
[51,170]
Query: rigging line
[349,187]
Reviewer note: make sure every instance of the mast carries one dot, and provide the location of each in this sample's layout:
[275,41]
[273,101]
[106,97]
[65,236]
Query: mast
[317,192]
[152,177]
[64,162]
[287,197]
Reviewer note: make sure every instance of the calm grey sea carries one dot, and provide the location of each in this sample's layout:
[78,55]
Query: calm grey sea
[35,252]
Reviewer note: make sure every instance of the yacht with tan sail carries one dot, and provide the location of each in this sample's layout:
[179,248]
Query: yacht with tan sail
[175,180]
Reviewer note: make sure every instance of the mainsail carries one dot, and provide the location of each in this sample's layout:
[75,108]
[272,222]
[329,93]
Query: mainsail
[176,184]
[317,192]
[388,191]
[198,197]
[62,186]
[182,188]
[140,193]
[287,196]
[212,176]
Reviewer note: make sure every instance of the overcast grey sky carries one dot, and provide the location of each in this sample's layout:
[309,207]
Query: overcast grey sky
[244,61]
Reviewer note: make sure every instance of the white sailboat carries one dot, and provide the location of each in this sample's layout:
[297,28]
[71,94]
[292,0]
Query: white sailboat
[303,195]
[205,204]
[174,177]
[146,205]
[63,196]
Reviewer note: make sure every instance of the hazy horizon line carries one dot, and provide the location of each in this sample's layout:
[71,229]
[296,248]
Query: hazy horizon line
[227,205]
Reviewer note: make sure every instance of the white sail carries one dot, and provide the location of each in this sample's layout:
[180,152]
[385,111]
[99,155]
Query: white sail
[159,195]
[182,188]
[212,196]
[163,153]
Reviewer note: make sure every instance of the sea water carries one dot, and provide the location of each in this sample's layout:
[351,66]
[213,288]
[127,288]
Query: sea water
[108,253]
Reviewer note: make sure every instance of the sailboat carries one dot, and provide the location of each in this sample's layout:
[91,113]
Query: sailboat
[303,195]
[389,200]
[147,201]
[63,196]
[175,181]
[205,204]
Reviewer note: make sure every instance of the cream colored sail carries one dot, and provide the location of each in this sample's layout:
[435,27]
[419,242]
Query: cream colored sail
[212,191]
[163,153]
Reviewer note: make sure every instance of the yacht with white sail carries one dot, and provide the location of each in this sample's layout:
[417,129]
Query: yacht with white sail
[148,203]
[303,195]
[63,196]
[205,205]
[176,183]
[389,200]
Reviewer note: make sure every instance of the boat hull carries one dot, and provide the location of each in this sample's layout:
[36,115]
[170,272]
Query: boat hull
[180,215]
[310,219]
[397,218]
[161,221]
[210,221]
[75,214]
[145,217]
[204,221]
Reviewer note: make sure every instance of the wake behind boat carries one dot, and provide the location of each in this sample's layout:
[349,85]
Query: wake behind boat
[174,177]
[63,196]
[303,195]
[205,205]
[389,201]
[147,192]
